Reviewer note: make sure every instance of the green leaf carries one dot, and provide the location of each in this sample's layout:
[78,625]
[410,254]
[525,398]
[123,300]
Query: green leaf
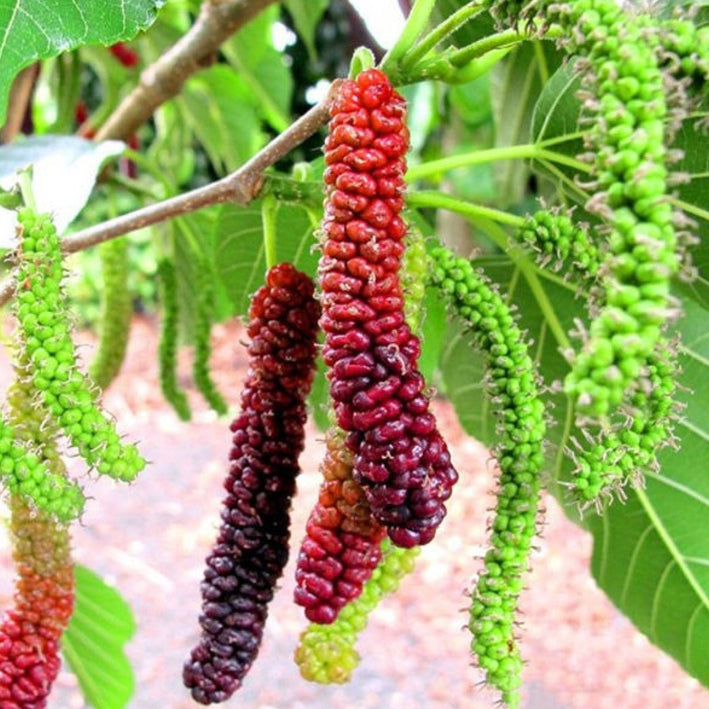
[219,107]
[35,29]
[239,251]
[472,101]
[306,14]
[252,55]
[516,83]
[192,249]
[556,119]
[93,642]
[52,158]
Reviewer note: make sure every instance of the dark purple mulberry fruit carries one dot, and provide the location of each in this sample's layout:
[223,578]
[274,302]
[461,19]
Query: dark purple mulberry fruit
[252,545]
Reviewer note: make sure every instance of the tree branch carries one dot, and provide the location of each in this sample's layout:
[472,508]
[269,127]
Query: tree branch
[241,186]
[161,81]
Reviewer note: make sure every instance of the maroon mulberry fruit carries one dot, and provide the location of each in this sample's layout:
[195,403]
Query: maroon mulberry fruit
[378,393]
[252,545]
[342,546]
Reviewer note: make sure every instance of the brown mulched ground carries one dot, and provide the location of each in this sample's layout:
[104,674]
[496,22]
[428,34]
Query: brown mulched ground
[150,540]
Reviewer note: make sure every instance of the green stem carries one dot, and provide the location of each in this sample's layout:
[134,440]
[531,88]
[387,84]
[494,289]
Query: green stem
[440,200]
[269,210]
[440,32]
[415,24]
[501,40]
[578,135]
[509,152]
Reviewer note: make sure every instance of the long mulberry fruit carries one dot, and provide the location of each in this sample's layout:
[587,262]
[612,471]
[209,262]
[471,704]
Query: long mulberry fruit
[400,457]
[116,313]
[252,545]
[512,385]
[44,588]
[203,349]
[627,144]
[167,347]
[30,465]
[44,337]
[342,546]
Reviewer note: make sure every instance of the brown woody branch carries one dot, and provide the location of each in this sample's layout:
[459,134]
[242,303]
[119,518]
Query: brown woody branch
[161,81]
[241,186]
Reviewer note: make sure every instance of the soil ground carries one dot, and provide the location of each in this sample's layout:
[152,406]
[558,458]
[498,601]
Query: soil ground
[150,540]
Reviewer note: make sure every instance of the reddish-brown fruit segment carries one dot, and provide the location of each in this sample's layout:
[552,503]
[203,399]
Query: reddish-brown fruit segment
[342,546]
[252,544]
[43,602]
[125,55]
[378,393]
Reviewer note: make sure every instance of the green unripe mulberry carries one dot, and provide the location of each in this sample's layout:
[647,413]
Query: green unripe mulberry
[557,239]
[30,464]
[46,345]
[326,653]
[167,347]
[626,454]
[203,349]
[413,277]
[512,386]
[116,313]
[627,142]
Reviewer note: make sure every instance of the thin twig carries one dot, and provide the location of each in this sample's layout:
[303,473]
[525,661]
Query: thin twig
[161,81]
[240,187]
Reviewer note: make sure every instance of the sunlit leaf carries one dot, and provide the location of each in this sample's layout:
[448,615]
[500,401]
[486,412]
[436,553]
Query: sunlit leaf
[239,253]
[93,643]
[306,14]
[35,29]
[52,158]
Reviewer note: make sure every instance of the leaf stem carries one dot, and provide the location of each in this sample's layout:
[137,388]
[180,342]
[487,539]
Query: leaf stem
[501,40]
[415,24]
[440,200]
[269,211]
[440,32]
[508,152]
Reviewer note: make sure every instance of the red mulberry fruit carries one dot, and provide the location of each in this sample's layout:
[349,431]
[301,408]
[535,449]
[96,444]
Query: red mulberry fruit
[399,456]
[44,596]
[252,545]
[342,546]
